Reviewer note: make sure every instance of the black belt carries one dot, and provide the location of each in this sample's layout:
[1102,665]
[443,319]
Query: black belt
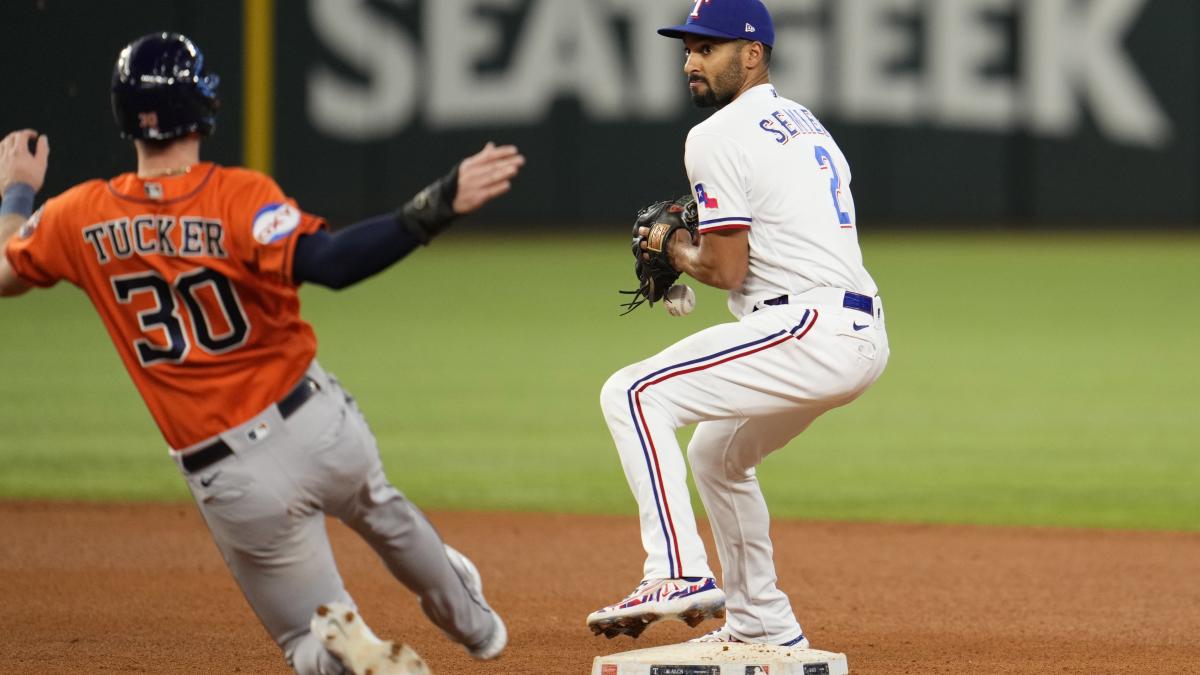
[852,300]
[219,449]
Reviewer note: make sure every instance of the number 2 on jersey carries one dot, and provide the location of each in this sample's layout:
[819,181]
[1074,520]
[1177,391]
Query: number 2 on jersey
[165,314]
[835,184]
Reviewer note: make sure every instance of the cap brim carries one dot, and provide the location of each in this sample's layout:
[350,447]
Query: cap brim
[692,29]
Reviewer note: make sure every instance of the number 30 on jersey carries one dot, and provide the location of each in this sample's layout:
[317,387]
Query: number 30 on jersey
[165,317]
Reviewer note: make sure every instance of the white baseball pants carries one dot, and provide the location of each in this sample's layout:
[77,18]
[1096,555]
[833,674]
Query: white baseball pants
[752,386]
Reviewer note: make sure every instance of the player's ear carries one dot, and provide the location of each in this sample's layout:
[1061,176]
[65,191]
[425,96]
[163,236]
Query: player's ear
[754,55]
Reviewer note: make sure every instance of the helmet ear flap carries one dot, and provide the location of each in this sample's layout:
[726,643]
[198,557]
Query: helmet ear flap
[211,81]
[161,90]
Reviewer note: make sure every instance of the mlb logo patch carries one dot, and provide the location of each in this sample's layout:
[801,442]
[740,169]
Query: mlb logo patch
[259,431]
[705,198]
[274,222]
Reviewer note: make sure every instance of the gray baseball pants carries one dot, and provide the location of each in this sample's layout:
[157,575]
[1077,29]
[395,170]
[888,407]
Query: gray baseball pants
[266,505]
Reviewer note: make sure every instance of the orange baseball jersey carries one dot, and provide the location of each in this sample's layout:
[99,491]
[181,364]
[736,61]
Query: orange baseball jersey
[192,276]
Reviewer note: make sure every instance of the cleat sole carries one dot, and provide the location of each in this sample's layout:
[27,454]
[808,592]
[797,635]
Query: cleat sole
[698,615]
[634,626]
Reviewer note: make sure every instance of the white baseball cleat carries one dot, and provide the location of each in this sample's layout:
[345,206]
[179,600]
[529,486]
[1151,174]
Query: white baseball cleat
[722,634]
[343,632]
[690,600]
[491,647]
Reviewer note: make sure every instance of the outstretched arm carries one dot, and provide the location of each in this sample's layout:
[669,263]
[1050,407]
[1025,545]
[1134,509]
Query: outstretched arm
[474,182]
[22,173]
[337,260]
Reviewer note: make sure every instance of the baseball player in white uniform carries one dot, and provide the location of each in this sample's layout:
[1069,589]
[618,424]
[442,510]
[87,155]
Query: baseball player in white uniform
[778,231]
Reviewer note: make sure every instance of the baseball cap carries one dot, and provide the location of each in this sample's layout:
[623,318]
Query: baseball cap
[728,20]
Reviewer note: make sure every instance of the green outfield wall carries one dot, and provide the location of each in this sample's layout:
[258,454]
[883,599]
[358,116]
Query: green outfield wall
[965,112]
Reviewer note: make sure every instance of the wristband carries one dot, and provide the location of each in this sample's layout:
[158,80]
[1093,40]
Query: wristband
[18,199]
[432,210]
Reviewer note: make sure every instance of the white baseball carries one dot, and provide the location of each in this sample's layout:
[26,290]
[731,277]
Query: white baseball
[680,300]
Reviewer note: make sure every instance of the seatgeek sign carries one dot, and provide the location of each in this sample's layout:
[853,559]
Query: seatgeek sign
[1039,66]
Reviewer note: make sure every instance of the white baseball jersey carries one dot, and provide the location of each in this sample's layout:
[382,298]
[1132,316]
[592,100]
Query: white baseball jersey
[752,385]
[765,163]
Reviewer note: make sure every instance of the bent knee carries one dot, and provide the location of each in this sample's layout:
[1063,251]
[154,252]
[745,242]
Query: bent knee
[705,460]
[614,395]
[720,460]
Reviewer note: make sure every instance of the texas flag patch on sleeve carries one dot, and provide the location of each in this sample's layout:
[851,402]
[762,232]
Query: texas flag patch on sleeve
[717,171]
[712,217]
[705,198]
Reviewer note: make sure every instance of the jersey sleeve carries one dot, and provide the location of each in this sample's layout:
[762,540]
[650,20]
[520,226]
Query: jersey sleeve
[267,224]
[37,253]
[717,170]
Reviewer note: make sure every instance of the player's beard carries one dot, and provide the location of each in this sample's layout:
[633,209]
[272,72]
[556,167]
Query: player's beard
[721,91]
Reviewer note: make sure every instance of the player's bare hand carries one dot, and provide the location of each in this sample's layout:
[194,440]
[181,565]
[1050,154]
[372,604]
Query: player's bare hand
[678,240]
[486,175]
[18,164]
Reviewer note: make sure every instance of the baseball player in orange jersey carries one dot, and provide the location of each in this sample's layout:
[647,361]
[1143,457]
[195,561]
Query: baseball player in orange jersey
[194,270]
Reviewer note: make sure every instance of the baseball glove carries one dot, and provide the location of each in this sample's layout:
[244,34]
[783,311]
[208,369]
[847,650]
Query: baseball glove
[655,275]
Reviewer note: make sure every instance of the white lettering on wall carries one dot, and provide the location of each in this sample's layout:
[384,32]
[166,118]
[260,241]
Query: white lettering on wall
[376,48]
[652,81]
[1075,56]
[871,41]
[457,93]
[901,62]
[961,46]
[567,49]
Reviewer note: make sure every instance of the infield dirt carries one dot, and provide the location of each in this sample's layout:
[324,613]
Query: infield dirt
[140,588]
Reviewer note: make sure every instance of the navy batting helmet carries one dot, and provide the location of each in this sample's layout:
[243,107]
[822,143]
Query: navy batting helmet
[161,91]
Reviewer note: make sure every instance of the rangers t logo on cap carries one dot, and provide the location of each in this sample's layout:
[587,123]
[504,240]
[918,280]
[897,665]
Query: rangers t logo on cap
[727,20]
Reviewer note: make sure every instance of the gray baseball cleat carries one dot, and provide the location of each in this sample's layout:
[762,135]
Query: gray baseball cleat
[343,632]
[722,634]
[491,647]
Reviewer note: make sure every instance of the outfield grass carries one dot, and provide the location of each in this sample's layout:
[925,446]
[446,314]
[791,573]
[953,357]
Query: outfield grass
[1035,379]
